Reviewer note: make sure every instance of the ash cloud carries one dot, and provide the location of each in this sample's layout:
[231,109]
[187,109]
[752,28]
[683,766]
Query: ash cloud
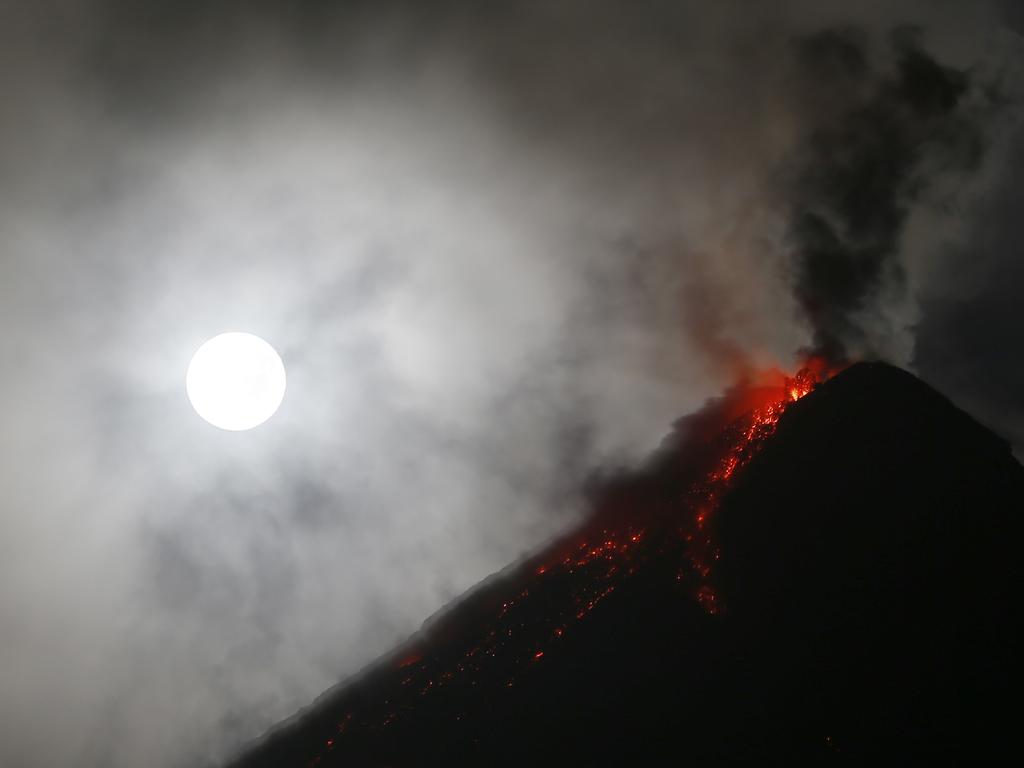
[883,139]
[498,245]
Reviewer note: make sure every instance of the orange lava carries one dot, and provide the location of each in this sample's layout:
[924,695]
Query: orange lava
[748,433]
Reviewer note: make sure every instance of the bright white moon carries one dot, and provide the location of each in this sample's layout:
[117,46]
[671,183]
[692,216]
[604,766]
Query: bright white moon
[235,381]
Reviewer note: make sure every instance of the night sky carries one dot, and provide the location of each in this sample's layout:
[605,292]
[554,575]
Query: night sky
[500,246]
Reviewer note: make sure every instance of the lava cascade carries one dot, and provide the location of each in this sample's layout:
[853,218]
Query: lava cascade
[574,576]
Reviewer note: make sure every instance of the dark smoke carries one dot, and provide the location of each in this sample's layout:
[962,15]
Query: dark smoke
[860,172]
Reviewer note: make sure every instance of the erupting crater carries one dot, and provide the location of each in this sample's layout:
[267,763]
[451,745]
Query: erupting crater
[626,531]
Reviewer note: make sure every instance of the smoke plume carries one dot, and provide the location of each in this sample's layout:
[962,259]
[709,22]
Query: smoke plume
[880,142]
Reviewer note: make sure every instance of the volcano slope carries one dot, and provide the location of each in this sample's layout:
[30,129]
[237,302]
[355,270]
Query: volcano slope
[862,608]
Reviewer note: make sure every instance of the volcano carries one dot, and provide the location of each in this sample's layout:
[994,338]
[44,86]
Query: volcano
[808,571]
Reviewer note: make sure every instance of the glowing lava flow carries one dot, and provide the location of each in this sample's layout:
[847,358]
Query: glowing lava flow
[573,585]
[745,436]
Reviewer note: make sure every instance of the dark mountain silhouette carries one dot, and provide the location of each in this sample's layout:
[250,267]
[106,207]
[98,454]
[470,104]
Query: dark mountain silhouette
[857,604]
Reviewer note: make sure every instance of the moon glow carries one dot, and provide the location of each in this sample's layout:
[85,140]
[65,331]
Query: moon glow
[236,381]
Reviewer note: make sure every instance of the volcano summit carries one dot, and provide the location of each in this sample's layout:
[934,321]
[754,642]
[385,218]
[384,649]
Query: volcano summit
[813,572]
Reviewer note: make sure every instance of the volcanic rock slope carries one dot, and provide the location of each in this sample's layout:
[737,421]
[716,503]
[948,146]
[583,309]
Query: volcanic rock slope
[865,577]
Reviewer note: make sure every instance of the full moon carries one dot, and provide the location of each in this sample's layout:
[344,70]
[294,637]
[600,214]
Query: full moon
[236,381]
